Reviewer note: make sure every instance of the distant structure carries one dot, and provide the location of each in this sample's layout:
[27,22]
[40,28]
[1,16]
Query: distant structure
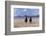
[26,19]
[30,20]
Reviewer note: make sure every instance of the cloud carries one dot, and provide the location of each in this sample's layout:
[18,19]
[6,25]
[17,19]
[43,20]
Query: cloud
[26,11]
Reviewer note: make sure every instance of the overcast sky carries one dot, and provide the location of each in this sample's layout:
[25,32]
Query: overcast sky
[26,11]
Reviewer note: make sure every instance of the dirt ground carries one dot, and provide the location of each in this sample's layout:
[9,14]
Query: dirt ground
[21,23]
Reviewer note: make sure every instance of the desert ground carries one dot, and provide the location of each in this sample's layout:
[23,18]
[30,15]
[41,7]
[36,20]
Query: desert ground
[20,22]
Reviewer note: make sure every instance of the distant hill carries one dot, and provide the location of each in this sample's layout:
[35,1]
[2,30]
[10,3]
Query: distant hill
[24,16]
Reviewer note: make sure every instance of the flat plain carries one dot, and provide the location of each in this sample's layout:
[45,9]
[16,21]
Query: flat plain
[20,22]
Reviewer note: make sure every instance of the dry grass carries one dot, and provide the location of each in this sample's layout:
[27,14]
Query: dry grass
[21,23]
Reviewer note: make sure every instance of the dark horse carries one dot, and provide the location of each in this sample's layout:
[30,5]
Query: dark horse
[30,20]
[26,19]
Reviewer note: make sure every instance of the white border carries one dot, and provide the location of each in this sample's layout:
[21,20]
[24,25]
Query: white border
[26,28]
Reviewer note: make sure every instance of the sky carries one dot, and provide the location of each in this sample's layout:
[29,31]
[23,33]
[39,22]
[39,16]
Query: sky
[26,11]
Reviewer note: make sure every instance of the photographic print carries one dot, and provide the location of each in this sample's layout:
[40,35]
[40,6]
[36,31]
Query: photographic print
[24,17]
